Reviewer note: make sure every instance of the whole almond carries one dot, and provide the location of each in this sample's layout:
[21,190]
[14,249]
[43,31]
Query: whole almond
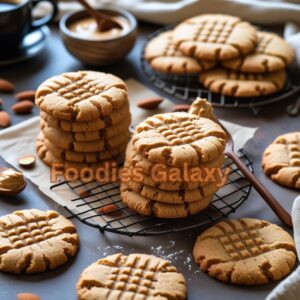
[6,86]
[150,103]
[23,107]
[27,296]
[27,161]
[4,119]
[110,210]
[181,107]
[26,95]
[84,194]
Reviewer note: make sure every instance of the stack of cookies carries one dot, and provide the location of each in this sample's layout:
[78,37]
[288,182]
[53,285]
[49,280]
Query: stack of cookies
[85,119]
[166,144]
[231,56]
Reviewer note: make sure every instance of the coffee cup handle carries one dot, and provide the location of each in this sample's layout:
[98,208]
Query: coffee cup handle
[46,19]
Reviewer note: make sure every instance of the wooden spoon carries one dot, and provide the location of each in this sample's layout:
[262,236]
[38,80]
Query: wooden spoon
[104,21]
[8,192]
[277,208]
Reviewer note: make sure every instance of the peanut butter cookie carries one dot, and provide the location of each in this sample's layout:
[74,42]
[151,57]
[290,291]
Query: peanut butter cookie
[233,83]
[115,118]
[281,160]
[81,96]
[82,157]
[136,276]
[49,158]
[88,136]
[271,54]
[149,207]
[153,174]
[164,56]
[173,197]
[245,251]
[65,140]
[215,37]
[132,158]
[179,138]
[33,241]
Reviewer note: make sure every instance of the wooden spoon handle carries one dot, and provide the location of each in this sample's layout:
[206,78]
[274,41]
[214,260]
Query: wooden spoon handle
[280,212]
[90,10]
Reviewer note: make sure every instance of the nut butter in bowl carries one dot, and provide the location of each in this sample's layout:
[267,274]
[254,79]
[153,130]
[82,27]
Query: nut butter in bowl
[83,40]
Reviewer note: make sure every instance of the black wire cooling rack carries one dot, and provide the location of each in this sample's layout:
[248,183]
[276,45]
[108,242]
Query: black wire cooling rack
[186,88]
[89,200]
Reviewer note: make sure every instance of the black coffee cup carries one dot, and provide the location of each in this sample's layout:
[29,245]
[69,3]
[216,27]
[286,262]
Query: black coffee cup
[16,21]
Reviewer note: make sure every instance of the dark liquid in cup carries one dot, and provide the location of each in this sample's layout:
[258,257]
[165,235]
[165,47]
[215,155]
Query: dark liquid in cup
[5,6]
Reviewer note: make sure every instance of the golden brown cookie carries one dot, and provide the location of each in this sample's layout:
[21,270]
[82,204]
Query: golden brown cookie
[88,136]
[233,83]
[164,56]
[136,276]
[65,140]
[271,54]
[81,95]
[153,175]
[156,179]
[50,158]
[132,158]
[202,108]
[33,241]
[173,197]
[115,118]
[149,207]
[281,160]
[82,157]
[179,138]
[245,251]
[215,37]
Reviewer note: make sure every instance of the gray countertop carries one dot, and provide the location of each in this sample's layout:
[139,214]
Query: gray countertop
[60,284]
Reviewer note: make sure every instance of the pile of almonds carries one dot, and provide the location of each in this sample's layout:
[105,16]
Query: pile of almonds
[24,105]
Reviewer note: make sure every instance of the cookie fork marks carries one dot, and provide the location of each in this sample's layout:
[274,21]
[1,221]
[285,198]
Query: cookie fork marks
[245,251]
[179,138]
[137,276]
[81,96]
[34,241]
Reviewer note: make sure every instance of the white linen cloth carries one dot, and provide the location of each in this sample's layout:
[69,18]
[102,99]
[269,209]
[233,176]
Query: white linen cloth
[289,289]
[172,11]
[19,140]
[263,12]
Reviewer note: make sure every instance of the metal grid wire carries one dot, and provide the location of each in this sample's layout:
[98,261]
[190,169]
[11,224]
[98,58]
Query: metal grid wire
[90,207]
[187,87]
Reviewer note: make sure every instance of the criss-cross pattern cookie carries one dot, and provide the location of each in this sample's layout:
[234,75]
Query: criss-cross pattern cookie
[215,37]
[150,207]
[245,251]
[281,160]
[113,119]
[202,108]
[33,241]
[179,138]
[136,276]
[237,84]
[271,54]
[81,96]
[164,56]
